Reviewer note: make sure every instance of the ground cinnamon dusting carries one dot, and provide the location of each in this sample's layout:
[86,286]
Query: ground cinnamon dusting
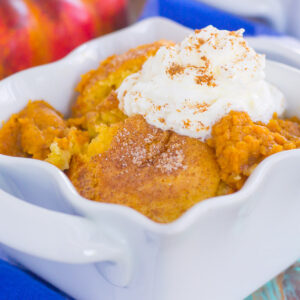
[175,69]
[205,79]
[187,123]
[200,43]
[162,120]
[205,59]
[234,33]
[200,107]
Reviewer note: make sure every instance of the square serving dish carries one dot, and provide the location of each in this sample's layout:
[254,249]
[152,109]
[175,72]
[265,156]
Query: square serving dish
[222,248]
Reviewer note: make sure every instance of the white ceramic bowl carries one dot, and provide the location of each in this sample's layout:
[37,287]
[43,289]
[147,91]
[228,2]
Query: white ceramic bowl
[222,248]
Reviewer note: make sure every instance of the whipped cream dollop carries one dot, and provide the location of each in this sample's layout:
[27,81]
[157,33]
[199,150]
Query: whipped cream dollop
[188,87]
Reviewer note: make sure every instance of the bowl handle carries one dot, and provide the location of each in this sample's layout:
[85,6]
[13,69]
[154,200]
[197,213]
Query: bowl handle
[60,237]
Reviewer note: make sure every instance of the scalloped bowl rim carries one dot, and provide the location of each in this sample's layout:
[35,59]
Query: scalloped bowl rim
[179,225]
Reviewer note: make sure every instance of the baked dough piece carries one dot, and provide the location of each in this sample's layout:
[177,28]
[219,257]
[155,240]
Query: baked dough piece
[240,144]
[159,173]
[31,132]
[97,84]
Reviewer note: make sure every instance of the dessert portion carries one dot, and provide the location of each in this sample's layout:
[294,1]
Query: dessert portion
[162,126]
[241,144]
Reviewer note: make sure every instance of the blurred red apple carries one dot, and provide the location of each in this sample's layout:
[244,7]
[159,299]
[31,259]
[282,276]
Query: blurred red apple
[34,32]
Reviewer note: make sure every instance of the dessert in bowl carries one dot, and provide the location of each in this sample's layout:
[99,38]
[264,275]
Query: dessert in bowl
[162,126]
[117,147]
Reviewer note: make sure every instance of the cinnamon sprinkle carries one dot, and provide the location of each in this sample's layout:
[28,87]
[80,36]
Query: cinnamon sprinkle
[187,123]
[205,79]
[200,108]
[201,127]
[199,44]
[175,69]
[234,33]
[206,62]
[162,120]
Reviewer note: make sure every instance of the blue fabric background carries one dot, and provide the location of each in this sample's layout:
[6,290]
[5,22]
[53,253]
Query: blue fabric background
[19,285]
[16,284]
[195,14]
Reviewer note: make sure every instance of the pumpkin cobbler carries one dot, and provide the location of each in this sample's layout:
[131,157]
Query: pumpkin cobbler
[120,146]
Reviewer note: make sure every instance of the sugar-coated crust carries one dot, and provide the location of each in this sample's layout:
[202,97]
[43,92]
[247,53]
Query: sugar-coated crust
[159,173]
